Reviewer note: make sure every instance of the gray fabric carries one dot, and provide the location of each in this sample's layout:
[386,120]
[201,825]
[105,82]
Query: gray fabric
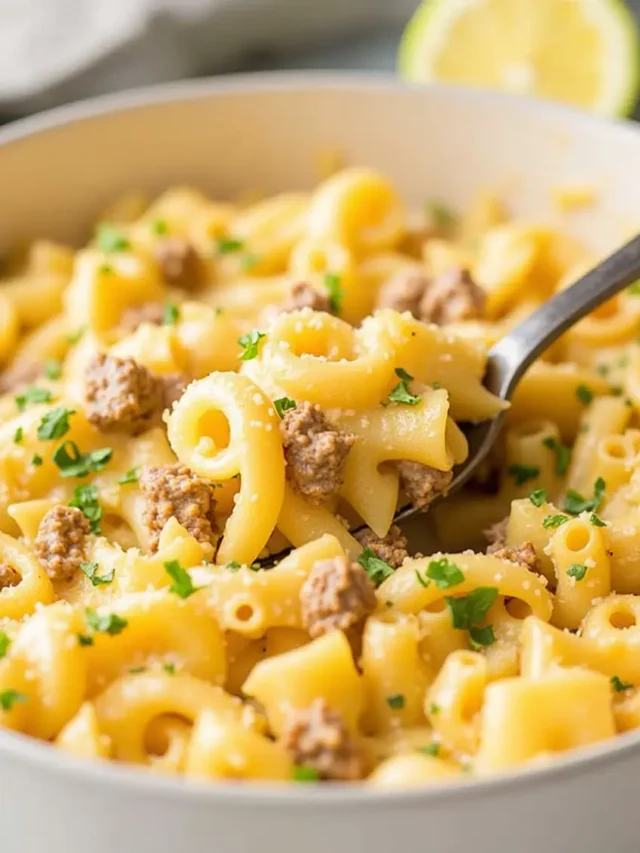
[55,51]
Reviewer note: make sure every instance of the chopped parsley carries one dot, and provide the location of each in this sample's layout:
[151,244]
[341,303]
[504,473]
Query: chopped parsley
[249,261]
[444,574]
[469,610]
[86,499]
[584,394]
[5,642]
[169,668]
[9,698]
[130,476]
[523,473]
[619,685]
[562,452]
[551,521]
[74,337]
[55,423]
[401,392]
[33,394]
[577,571]
[228,245]
[421,580]
[596,520]
[333,286]
[575,503]
[18,435]
[111,239]
[85,640]
[182,585]
[170,314]
[249,344]
[107,623]
[538,497]
[433,709]
[283,404]
[52,369]
[91,569]
[396,701]
[481,637]
[159,227]
[304,773]
[376,569]
[432,749]
[441,215]
[136,670]
[36,460]
[73,463]
[234,566]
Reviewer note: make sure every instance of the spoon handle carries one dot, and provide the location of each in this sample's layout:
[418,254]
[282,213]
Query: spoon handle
[514,353]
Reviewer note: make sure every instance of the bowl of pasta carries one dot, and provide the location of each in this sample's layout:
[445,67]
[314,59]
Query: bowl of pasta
[241,323]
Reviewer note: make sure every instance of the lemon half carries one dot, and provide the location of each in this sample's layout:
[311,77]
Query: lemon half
[580,52]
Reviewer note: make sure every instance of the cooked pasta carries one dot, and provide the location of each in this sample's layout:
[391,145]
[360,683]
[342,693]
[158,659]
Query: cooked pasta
[208,418]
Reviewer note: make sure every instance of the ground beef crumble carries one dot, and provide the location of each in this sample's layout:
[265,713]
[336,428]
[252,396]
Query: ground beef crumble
[392,548]
[315,452]
[175,491]
[422,483]
[179,262]
[317,737]
[60,542]
[524,554]
[148,312]
[8,575]
[121,395]
[450,297]
[336,596]
[303,295]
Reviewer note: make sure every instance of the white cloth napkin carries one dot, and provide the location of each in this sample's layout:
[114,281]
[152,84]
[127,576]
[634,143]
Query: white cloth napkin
[53,51]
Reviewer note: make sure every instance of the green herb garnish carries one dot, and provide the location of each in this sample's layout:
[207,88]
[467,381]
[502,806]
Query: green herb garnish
[523,473]
[584,394]
[55,423]
[111,239]
[469,610]
[228,245]
[376,569]
[249,343]
[90,570]
[401,392]
[575,503]
[283,404]
[36,460]
[562,452]
[182,585]
[107,623]
[619,685]
[538,497]
[85,498]
[304,773]
[9,698]
[577,571]
[444,574]
[551,521]
[130,476]
[33,395]
[396,701]
[170,314]
[73,463]
[18,435]
[52,369]
[481,637]
[333,286]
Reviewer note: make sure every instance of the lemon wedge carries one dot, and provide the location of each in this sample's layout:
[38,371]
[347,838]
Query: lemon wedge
[580,52]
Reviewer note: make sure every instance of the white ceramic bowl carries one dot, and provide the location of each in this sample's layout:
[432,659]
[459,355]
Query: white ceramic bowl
[56,171]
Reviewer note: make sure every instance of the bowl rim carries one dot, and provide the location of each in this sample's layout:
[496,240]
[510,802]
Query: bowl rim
[137,781]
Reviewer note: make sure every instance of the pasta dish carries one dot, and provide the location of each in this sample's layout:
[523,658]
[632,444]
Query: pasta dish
[209,384]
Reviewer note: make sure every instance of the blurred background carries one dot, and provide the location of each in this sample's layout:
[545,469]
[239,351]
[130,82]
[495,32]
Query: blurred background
[56,51]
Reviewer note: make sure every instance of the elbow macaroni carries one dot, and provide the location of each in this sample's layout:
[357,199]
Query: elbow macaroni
[191,659]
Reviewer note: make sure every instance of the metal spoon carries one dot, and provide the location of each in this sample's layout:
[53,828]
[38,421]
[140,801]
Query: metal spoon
[513,354]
